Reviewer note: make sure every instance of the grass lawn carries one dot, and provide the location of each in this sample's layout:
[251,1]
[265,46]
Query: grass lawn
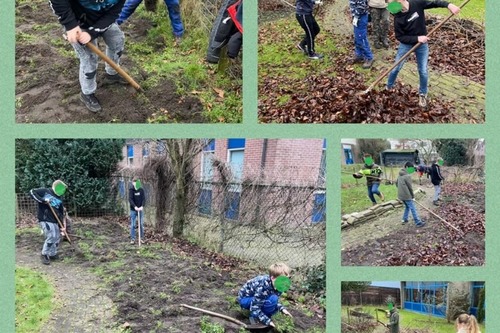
[354,195]
[475,10]
[413,320]
[33,300]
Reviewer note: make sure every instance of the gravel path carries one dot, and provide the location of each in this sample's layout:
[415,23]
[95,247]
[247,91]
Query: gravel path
[81,307]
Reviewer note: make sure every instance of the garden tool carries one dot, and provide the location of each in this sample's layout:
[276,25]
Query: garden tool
[61,225]
[139,227]
[408,53]
[440,218]
[117,68]
[256,326]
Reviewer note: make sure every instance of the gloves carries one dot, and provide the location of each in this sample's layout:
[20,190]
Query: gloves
[355,21]
[357,175]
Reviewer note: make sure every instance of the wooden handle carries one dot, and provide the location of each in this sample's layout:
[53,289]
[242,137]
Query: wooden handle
[117,68]
[411,50]
[59,221]
[215,314]
[439,217]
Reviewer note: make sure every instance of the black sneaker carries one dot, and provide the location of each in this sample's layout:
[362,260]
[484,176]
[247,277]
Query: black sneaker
[54,257]
[420,224]
[315,56]
[45,259]
[404,222]
[91,102]
[367,64]
[117,78]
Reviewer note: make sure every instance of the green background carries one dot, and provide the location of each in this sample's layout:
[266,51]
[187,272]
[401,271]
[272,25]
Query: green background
[250,129]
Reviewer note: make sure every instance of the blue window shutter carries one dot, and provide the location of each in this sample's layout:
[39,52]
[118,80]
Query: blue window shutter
[235,143]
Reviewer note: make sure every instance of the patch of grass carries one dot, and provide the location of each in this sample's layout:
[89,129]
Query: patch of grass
[25,38]
[33,300]
[354,195]
[284,324]
[475,10]
[177,286]
[30,230]
[207,326]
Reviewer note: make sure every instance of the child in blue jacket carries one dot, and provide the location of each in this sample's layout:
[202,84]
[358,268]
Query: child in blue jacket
[260,296]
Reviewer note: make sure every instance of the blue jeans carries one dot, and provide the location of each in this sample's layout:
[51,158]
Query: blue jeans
[422,53]
[269,308]
[437,192]
[133,219]
[410,206]
[174,13]
[373,189]
[361,45]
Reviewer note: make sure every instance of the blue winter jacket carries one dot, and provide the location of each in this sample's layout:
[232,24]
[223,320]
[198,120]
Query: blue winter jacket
[359,7]
[304,7]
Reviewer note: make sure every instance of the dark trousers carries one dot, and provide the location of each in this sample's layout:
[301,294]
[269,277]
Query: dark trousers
[311,28]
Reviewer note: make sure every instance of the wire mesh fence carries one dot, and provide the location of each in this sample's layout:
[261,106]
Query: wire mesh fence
[255,221]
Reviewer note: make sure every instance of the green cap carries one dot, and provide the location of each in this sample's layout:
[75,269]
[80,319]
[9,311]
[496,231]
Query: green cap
[394,7]
[368,161]
[282,283]
[59,187]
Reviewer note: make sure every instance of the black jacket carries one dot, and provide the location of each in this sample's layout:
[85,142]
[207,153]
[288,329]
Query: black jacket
[136,198]
[411,24]
[44,212]
[93,16]
[435,174]
[304,7]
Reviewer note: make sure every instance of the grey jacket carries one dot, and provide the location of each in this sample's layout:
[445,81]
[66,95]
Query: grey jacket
[405,189]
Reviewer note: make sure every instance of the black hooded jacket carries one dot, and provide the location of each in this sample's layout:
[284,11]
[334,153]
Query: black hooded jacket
[44,211]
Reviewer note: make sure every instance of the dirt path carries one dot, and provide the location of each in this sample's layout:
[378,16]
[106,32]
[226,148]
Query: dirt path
[81,305]
[145,286]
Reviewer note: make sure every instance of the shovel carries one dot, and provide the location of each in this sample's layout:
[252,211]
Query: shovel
[139,227]
[113,64]
[61,225]
[236,321]
[408,53]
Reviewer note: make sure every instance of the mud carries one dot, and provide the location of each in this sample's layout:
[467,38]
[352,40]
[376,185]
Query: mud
[47,87]
[147,285]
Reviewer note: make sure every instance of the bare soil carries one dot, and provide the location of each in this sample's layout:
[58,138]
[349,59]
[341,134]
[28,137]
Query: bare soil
[386,242]
[47,87]
[146,285]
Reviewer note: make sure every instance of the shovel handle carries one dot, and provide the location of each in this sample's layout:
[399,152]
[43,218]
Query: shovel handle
[215,314]
[117,68]
[59,221]
[440,218]
[411,50]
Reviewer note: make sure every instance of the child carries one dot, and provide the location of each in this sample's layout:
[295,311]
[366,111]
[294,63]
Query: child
[436,179]
[363,53]
[372,172]
[467,324]
[84,22]
[304,14]
[393,321]
[405,194]
[410,29]
[260,296]
[174,13]
[380,22]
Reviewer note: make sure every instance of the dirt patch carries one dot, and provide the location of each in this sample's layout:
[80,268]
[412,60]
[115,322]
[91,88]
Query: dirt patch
[47,87]
[386,242]
[148,284]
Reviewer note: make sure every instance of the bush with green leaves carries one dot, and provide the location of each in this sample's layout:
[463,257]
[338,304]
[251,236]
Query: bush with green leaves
[85,165]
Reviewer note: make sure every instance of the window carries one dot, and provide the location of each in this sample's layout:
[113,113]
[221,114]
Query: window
[236,154]
[426,297]
[145,150]
[207,175]
[130,155]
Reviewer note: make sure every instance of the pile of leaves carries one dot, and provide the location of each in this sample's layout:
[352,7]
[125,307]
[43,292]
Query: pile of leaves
[459,48]
[336,97]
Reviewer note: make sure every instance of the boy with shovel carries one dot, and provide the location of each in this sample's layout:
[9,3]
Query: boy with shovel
[372,172]
[260,295]
[46,219]
[410,29]
[84,22]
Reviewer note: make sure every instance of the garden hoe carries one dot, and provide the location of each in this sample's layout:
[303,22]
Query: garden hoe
[250,327]
[139,228]
[440,218]
[61,225]
[403,58]
[113,64]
